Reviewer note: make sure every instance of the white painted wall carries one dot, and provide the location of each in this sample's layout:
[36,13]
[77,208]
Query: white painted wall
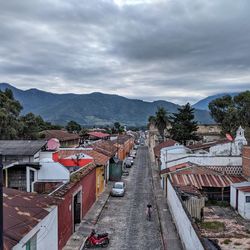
[243,207]
[246,213]
[52,171]
[170,153]
[47,233]
[184,226]
[206,160]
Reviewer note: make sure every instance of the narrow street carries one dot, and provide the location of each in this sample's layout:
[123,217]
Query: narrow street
[125,219]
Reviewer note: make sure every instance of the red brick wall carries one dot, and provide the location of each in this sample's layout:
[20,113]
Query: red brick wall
[246,161]
[65,216]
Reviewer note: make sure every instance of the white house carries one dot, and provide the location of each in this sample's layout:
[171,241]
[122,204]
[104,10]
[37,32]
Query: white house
[30,221]
[240,198]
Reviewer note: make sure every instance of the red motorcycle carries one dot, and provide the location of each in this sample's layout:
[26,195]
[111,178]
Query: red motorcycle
[97,240]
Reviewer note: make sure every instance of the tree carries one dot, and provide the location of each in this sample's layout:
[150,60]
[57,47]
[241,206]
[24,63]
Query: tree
[160,120]
[9,113]
[231,112]
[73,126]
[117,128]
[183,125]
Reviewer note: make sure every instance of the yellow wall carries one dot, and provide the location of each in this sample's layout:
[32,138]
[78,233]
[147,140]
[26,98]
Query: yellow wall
[99,180]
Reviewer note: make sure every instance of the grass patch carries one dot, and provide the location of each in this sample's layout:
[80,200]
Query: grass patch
[215,226]
[227,241]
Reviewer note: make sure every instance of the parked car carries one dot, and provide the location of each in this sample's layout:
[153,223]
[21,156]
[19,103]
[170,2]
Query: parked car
[133,153]
[118,189]
[129,162]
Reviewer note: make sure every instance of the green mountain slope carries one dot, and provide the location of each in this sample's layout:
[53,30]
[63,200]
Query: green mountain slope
[92,109]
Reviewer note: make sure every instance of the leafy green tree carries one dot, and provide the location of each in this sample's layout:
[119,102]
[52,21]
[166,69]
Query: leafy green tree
[183,125]
[160,120]
[73,126]
[117,128]
[242,104]
[9,113]
[230,112]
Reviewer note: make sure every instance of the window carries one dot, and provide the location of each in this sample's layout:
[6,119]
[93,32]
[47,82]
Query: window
[31,244]
[247,199]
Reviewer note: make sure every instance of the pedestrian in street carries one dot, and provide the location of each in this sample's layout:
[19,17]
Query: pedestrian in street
[149,212]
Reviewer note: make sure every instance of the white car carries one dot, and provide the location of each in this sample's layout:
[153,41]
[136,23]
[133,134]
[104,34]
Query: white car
[118,189]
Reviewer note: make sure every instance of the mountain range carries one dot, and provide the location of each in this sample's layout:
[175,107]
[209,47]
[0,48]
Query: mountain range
[203,104]
[94,108]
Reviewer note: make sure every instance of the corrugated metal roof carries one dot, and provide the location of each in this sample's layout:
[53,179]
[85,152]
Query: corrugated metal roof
[22,212]
[244,189]
[21,147]
[203,177]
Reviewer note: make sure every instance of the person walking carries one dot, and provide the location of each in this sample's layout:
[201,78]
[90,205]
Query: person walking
[149,212]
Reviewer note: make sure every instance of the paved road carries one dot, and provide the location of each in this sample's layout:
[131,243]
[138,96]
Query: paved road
[124,218]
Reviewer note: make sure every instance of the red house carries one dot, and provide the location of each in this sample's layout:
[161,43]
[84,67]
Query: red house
[77,197]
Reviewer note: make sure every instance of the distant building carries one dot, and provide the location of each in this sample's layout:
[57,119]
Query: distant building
[209,132]
[65,138]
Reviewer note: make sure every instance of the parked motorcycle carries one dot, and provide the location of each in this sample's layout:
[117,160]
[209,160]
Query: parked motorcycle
[96,240]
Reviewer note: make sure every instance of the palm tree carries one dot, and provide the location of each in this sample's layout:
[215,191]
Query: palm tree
[161,120]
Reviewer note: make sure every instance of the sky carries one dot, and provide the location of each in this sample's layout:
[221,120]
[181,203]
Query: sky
[174,50]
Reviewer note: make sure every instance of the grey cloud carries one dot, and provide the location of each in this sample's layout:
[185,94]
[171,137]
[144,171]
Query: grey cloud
[176,46]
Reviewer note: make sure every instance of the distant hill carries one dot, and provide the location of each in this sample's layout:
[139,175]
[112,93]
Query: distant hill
[92,109]
[203,104]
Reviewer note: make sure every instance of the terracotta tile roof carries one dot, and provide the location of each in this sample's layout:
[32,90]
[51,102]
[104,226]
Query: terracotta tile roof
[99,134]
[105,147]
[165,144]
[203,177]
[121,139]
[207,145]
[61,135]
[99,158]
[22,212]
[74,179]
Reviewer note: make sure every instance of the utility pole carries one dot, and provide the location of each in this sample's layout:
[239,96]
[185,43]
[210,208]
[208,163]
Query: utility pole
[1,201]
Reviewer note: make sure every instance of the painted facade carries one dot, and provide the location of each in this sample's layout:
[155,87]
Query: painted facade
[82,194]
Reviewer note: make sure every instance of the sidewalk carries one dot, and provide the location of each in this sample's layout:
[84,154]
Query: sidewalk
[170,238]
[89,221]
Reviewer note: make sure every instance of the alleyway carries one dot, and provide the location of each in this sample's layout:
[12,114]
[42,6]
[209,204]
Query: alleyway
[124,218]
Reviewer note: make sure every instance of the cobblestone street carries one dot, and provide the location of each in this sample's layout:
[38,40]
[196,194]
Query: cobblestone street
[125,219]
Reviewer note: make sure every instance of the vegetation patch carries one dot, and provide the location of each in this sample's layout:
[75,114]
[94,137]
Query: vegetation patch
[227,241]
[215,226]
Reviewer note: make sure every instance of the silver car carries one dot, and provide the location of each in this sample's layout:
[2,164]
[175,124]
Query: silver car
[118,189]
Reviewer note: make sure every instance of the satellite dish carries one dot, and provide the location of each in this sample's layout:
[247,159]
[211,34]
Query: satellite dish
[53,144]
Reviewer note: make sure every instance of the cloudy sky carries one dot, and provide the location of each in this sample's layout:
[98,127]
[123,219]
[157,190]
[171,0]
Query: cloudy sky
[176,50]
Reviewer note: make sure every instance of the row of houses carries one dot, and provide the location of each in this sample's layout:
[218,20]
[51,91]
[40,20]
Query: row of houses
[193,175]
[48,189]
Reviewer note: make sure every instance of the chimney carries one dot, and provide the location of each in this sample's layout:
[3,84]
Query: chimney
[246,161]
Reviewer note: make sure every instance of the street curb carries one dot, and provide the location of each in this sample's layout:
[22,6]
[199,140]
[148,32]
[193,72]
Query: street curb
[96,220]
[104,204]
[157,208]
